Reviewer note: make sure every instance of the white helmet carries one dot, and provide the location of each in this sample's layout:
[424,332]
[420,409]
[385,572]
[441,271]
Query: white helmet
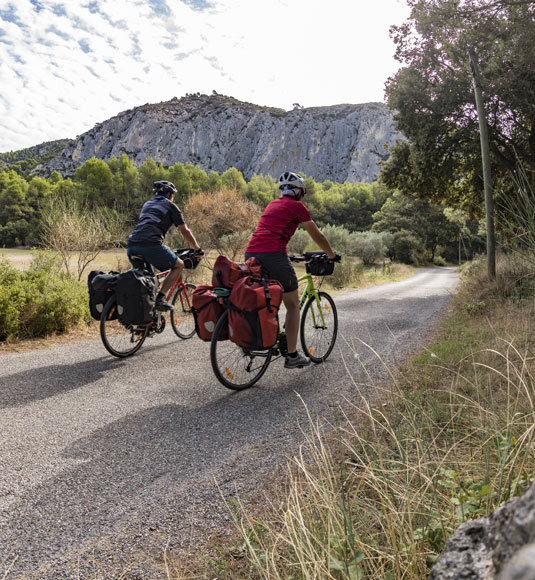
[290,180]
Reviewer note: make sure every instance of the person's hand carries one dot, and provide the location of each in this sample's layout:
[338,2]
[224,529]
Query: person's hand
[337,258]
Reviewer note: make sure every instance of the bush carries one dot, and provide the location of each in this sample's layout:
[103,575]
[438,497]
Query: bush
[439,261]
[40,301]
[216,218]
[299,242]
[338,237]
[368,246]
[407,248]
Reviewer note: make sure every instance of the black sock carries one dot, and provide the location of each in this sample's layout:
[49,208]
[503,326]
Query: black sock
[160,294]
[292,354]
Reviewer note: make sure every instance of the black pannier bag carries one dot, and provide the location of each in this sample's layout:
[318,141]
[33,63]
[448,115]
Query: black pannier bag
[319,266]
[135,292]
[100,286]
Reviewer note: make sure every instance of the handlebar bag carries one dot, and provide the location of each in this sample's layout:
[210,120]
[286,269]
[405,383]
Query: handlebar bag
[226,272]
[207,308]
[253,312]
[135,291]
[319,264]
[100,286]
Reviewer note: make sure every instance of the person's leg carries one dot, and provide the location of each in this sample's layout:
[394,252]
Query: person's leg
[172,277]
[294,360]
[163,258]
[291,302]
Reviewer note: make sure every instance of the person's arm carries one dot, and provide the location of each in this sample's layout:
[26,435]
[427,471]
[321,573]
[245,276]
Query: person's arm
[187,234]
[318,237]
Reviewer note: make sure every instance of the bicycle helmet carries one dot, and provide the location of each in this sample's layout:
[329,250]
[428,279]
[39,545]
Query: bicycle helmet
[290,180]
[163,188]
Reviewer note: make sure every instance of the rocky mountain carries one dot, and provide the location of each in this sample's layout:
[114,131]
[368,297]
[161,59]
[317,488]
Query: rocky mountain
[24,161]
[340,142]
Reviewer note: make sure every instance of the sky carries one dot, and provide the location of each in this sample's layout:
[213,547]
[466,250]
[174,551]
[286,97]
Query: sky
[66,65]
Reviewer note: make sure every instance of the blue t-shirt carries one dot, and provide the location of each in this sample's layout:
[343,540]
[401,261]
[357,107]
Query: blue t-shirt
[156,217]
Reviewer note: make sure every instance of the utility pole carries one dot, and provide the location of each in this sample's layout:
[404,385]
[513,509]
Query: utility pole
[485,158]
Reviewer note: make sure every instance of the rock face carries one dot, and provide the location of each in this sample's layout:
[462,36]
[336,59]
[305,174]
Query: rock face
[340,142]
[501,546]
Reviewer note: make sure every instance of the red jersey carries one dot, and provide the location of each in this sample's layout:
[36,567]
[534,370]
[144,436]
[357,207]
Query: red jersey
[277,225]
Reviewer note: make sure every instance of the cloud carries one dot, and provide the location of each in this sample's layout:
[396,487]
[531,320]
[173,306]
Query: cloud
[65,66]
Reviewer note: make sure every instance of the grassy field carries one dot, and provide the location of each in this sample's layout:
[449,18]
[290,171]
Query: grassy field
[117,260]
[106,260]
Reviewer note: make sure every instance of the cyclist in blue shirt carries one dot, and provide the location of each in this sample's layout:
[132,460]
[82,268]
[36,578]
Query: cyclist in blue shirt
[157,216]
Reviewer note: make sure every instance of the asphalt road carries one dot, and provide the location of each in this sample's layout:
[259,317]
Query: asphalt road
[105,462]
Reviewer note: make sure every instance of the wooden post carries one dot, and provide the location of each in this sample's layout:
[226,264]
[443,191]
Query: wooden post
[485,158]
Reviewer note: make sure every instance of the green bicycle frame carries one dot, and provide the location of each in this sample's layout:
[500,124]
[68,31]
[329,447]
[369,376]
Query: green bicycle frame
[310,290]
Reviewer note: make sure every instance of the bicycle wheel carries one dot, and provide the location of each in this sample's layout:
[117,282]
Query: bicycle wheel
[235,367]
[120,339]
[182,319]
[319,327]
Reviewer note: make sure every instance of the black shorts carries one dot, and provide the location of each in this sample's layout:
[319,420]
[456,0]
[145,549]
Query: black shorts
[277,266]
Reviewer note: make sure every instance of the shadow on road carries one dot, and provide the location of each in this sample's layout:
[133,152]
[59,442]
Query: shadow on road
[19,389]
[161,454]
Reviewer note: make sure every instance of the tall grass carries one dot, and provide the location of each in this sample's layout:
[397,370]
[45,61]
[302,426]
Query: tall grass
[448,440]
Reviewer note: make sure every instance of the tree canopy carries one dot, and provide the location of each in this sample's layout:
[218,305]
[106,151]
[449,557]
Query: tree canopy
[434,105]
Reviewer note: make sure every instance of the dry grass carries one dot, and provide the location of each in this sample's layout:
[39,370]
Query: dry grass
[448,439]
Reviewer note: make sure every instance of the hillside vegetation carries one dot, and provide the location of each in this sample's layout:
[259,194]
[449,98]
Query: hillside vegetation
[420,231]
[24,161]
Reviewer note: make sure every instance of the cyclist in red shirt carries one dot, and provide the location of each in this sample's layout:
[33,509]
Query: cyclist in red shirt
[268,245]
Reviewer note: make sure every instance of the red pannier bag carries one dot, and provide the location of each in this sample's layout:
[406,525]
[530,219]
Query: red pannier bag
[207,309]
[226,272]
[253,312]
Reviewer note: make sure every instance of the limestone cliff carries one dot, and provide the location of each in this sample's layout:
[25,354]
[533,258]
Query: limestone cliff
[340,142]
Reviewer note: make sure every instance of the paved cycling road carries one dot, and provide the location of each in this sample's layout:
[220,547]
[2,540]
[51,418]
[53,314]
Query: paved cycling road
[105,462]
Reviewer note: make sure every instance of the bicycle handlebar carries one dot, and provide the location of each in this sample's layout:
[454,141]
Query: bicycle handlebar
[315,258]
[189,253]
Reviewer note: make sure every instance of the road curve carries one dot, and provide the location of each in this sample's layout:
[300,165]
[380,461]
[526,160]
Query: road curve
[105,462]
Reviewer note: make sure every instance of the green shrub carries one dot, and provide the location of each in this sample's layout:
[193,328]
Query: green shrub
[408,248]
[439,261]
[41,300]
[368,246]
[338,237]
[299,241]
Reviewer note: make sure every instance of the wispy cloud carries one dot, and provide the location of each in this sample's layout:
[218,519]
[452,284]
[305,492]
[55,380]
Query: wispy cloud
[66,65]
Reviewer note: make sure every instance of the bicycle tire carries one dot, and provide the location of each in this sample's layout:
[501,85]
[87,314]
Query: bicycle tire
[234,366]
[182,320]
[318,341]
[120,340]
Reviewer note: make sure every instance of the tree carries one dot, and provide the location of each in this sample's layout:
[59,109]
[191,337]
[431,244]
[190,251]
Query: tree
[233,179]
[96,180]
[368,246]
[262,189]
[149,172]
[198,177]
[223,220]
[126,194]
[78,233]
[422,220]
[14,210]
[434,104]
[182,181]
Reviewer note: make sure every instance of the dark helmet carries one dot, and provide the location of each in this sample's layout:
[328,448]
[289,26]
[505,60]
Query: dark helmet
[290,180]
[163,188]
